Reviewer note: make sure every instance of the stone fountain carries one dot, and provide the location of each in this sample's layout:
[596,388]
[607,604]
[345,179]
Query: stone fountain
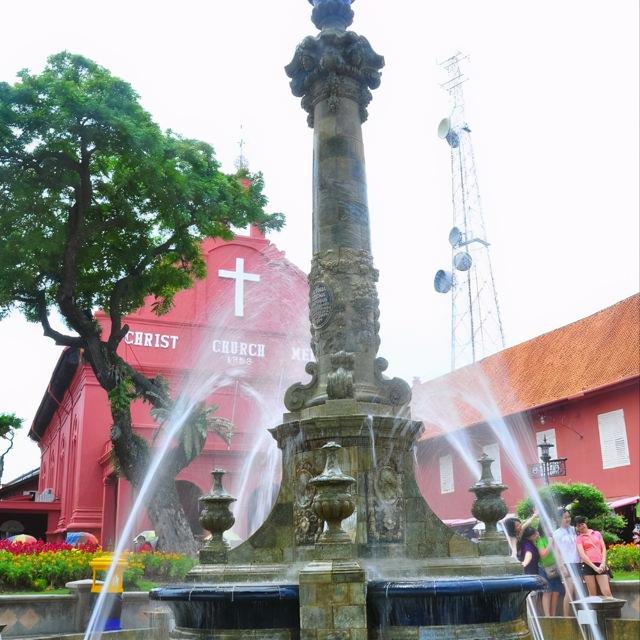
[385,566]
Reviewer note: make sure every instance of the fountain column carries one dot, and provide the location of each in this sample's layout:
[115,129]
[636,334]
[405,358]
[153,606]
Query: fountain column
[333,73]
[348,399]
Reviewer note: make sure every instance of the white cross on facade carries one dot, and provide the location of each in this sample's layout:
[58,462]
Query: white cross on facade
[239,276]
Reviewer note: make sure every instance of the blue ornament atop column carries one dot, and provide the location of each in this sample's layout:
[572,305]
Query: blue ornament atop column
[332,14]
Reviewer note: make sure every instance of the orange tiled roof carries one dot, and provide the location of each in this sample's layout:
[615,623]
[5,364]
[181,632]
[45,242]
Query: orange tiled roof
[599,350]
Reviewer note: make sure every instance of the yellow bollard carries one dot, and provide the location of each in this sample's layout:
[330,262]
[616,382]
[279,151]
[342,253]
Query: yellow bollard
[113,601]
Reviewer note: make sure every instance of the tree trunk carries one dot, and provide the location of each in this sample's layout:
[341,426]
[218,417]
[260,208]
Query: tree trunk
[163,504]
[169,520]
[133,453]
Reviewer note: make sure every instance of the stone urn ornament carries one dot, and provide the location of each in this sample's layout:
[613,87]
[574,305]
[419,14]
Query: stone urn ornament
[216,517]
[490,508]
[333,501]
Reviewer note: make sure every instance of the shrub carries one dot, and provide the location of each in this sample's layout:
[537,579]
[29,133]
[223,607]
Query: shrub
[53,568]
[623,557]
[38,566]
[39,584]
[164,567]
[582,500]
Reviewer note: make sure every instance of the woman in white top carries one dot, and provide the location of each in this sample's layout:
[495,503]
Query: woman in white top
[564,538]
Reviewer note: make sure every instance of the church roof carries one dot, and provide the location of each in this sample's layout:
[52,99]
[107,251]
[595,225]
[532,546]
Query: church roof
[60,380]
[595,352]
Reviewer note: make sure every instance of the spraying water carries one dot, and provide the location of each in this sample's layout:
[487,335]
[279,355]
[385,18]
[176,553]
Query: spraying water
[183,408]
[450,412]
[369,422]
[258,484]
[292,322]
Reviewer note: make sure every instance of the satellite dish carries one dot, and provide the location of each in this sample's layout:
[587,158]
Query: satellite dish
[444,127]
[455,236]
[443,281]
[462,261]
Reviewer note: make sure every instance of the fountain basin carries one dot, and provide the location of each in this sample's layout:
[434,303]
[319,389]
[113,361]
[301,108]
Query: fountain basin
[443,602]
[448,600]
[232,606]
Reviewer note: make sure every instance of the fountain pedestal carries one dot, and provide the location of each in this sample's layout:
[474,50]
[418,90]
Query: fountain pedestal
[333,600]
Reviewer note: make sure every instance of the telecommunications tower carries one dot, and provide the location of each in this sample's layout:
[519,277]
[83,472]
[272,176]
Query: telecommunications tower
[476,328]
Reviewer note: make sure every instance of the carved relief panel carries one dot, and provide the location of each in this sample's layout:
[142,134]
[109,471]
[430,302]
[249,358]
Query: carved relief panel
[306,524]
[385,504]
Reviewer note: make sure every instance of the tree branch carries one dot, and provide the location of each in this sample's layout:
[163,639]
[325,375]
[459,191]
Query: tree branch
[43,315]
[66,302]
[120,289]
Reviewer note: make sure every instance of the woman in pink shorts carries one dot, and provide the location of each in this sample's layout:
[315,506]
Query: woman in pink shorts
[593,554]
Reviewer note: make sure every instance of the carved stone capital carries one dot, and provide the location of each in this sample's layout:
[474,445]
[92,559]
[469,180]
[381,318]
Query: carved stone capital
[331,14]
[334,65]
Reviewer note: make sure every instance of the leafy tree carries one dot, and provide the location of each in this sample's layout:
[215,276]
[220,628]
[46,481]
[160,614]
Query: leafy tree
[99,209]
[9,423]
[581,500]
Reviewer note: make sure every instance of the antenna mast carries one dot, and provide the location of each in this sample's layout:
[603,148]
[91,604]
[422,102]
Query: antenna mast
[476,327]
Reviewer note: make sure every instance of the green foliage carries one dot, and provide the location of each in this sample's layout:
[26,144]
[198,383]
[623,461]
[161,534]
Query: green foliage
[132,576]
[100,209]
[84,168]
[9,423]
[156,568]
[582,500]
[165,567]
[51,568]
[122,395]
[39,584]
[624,557]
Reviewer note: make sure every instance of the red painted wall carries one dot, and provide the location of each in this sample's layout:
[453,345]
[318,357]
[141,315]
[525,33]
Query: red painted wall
[577,437]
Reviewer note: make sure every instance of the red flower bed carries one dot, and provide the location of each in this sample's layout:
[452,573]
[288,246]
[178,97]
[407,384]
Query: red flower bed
[20,548]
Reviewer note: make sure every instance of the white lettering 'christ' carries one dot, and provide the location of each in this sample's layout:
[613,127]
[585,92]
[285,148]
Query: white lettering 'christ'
[239,276]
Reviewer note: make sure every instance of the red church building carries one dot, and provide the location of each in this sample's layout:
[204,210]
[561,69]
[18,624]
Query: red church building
[241,334]
[578,387]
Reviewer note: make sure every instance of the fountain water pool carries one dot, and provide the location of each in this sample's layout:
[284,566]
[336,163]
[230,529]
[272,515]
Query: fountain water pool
[492,602]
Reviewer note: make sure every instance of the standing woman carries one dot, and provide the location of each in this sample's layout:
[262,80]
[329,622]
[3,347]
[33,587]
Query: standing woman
[514,528]
[593,554]
[564,538]
[550,571]
[529,554]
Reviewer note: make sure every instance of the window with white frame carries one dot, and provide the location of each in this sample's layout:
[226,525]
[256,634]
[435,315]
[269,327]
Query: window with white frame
[446,474]
[550,435]
[613,439]
[493,451]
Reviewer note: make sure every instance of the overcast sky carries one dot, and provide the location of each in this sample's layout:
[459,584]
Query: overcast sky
[552,101]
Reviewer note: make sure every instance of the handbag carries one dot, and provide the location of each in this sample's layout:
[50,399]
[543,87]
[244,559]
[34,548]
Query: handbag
[551,571]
